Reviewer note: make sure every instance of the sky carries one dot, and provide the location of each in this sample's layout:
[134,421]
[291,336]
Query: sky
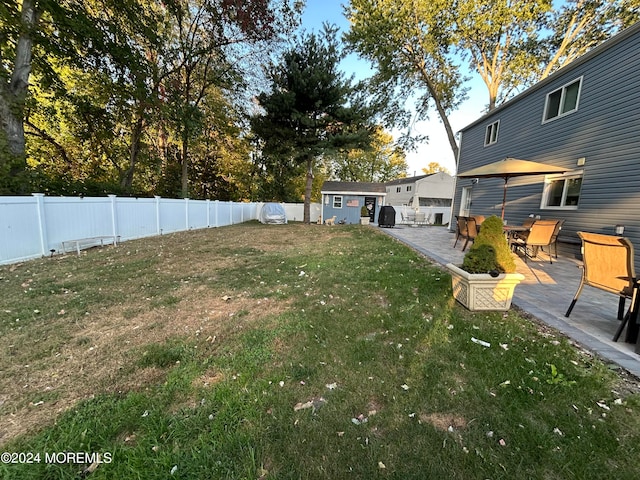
[437,149]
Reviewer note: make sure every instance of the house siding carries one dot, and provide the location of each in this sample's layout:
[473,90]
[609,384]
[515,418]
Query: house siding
[605,130]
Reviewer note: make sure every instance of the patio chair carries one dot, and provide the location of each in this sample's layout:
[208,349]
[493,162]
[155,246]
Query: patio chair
[479,219]
[608,266]
[472,231]
[539,235]
[554,237]
[461,228]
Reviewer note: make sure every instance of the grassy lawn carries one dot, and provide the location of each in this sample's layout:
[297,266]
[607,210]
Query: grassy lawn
[291,352]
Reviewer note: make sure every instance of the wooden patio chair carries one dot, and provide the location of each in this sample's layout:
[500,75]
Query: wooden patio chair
[608,266]
[539,235]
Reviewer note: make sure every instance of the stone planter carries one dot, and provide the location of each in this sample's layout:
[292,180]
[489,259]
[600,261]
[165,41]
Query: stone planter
[364,220]
[481,291]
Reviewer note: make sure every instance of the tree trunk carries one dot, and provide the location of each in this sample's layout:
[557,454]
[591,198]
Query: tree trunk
[13,96]
[307,191]
[136,138]
[433,91]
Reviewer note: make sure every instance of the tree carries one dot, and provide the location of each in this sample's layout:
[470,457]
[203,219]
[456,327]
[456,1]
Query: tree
[409,44]
[499,38]
[123,60]
[509,45]
[434,167]
[13,88]
[382,162]
[580,25]
[45,36]
[311,110]
[208,38]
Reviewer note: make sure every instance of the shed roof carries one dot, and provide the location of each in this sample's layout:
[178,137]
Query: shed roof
[362,188]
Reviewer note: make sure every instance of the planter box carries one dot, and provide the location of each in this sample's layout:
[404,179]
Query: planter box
[364,220]
[481,291]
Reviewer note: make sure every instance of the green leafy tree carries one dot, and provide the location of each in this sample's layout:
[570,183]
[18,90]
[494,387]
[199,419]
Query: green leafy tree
[409,45]
[513,44]
[382,162]
[311,110]
[499,38]
[580,25]
[41,36]
[124,81]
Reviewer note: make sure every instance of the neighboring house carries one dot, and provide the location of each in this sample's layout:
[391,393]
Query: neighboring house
[584,117]
[432,192]
[344,200]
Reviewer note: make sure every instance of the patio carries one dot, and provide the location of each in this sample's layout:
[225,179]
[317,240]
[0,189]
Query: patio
[545,293]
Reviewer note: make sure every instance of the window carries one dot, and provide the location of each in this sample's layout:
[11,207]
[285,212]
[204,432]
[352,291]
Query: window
[398,189]
[562,101]
[491,136]
[337,201]
[562,191]
[408,188]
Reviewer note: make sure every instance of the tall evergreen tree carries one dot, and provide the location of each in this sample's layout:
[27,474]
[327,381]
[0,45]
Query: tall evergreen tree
[311,110]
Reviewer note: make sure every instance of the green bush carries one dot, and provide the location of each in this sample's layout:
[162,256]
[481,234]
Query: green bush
[490,250]
[364,211]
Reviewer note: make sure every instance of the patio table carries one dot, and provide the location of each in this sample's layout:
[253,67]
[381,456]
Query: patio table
[511,231]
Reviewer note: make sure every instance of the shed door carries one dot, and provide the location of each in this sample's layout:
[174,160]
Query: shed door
[370,203]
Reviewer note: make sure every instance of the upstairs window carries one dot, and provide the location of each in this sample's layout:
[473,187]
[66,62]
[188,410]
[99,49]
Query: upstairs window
[562,101]
[408,188]
[398,189]
[562,191]
[491,135]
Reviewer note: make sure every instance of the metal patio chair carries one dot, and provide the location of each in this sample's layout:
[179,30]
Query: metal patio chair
[461,228]
[608,266]
[539,235]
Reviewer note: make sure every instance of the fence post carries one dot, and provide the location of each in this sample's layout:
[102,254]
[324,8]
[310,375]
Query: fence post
[216,204]
[186,213]
[42,222]
[158,229]
[114,217]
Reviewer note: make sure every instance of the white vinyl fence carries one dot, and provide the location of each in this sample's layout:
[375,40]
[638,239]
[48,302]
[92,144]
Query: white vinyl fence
[37,225]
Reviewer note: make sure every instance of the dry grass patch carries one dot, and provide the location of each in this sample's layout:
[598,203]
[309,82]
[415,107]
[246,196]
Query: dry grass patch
[64,356]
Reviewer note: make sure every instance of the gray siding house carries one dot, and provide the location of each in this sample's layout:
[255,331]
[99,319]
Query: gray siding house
[586,118]
[345,199]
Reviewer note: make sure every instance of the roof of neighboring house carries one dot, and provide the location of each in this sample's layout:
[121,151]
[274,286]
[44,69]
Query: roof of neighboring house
[400,181]
[354,187]
[609,43]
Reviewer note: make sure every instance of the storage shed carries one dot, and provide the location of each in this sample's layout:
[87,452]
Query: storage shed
[343,200]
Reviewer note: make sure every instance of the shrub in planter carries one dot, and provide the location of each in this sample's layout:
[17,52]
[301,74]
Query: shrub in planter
[490,250]
[486,278]
[364,215]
